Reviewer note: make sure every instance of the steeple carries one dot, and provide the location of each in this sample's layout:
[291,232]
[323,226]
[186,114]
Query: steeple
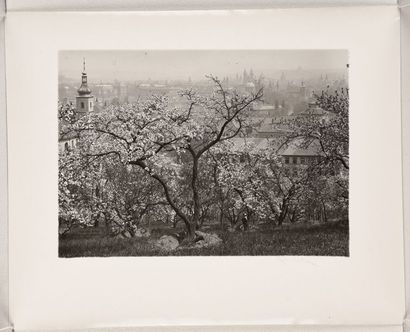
[84,90]
[85,101]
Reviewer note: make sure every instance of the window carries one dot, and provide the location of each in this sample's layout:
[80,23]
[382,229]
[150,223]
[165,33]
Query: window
[82,104]
[295,160]
[302,160]
[91,104]
[286,160]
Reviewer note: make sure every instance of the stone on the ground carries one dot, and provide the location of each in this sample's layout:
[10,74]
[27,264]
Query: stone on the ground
[209,240]
[127,235]
[200,244]
[167,243]
[123,235]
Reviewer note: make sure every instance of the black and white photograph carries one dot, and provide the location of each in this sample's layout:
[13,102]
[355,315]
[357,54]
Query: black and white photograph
[203,153]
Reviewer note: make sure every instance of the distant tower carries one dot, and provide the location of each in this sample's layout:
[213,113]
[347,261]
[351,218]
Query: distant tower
[303,89]
[85,101]
[251,74]
[282,77]
[245,77]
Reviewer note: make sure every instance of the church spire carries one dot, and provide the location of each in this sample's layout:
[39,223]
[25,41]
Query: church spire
[84,99]
[84,90]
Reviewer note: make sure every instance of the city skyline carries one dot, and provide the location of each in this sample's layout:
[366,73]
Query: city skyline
[195,65]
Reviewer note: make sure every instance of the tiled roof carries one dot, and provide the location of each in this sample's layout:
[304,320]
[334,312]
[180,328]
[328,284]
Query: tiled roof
[298,148]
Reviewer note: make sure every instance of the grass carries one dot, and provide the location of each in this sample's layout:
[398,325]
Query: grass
[302,240]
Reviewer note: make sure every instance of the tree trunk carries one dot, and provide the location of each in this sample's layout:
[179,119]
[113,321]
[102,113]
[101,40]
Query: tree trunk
[221,218]
[324,212]
[195,218]
[245,222]
[168,197]
[283,213]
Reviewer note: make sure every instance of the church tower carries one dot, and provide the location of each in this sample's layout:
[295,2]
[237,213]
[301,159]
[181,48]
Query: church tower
[84,100]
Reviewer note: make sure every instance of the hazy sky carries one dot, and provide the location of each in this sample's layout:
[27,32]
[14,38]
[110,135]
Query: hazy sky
[173,65]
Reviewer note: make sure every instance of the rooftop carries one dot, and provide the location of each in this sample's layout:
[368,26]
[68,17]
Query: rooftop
[299,148]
